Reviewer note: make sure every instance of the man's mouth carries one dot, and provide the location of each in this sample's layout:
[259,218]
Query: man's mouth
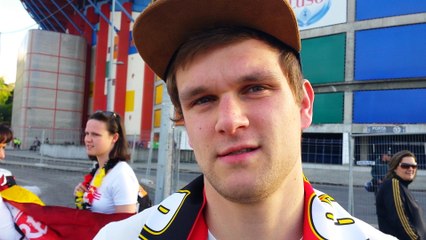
[245,150]
[237,151]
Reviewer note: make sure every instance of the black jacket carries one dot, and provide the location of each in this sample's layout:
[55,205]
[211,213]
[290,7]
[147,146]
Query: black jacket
[398,212]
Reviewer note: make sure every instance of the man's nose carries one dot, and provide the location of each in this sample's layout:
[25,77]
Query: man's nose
[231,115]
[87,138]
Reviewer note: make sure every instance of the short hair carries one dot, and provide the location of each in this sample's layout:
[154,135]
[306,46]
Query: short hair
[114,125]
[6,133]
[211,39]
[395,160]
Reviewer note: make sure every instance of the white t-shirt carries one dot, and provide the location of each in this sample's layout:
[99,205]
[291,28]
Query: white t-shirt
[3,174]
[7,226]
[119,187]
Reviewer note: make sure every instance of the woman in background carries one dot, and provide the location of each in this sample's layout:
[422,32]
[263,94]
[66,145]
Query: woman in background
[398,212]
[112,186]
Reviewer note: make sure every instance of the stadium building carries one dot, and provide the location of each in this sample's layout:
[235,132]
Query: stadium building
[366,60]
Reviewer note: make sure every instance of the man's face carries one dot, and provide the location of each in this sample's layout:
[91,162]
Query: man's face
[242,119]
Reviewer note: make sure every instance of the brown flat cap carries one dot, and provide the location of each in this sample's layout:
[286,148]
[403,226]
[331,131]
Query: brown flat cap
[165,25]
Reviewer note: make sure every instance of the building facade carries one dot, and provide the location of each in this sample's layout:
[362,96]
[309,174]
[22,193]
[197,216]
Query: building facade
[366,60]
[369,74]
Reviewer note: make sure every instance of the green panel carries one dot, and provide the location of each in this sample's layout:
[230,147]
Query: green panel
[328,108]
[323,59]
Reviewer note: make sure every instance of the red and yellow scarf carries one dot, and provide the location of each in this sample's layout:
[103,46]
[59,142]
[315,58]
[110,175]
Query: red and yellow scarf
[180,216]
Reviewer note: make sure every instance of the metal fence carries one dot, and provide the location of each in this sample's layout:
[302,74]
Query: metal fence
[328,151]
[345,174]
[371,147]
[344,162]
[337,164]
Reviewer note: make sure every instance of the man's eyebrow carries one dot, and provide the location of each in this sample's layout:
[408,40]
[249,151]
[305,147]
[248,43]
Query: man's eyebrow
[188,94]
[257,76]
[253,77]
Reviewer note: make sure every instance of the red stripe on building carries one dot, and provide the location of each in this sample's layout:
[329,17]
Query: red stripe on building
[99,97]
[122,59]
[88,35]
[147,105]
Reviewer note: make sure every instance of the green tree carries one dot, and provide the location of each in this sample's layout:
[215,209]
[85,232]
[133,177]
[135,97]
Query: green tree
[6,100]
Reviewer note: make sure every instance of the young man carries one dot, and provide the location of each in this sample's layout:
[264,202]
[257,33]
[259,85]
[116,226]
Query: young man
[233,73]
[379,170]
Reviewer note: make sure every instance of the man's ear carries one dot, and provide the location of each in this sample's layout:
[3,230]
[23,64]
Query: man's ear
[189,139]
[307,105]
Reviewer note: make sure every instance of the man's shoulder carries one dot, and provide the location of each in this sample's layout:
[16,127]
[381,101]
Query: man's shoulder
[160,217]
[128,228]
[329,219]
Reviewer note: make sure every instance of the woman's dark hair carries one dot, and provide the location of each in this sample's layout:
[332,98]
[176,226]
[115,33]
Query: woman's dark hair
[6,134]
[395,160]
[114,125]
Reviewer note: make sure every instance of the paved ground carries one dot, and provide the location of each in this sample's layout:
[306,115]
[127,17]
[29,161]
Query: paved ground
[316,173]
[332,179]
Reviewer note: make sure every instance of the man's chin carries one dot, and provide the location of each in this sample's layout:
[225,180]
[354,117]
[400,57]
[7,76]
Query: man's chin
[242,192]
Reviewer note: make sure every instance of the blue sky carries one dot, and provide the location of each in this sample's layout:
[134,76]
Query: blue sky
[14,24]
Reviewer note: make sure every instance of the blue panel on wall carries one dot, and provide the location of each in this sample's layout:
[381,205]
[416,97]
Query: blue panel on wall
[396,52]
[94,38]
[390,106]
[132,47]
[369,9]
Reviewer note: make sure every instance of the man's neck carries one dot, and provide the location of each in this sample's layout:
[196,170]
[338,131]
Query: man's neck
[279,216]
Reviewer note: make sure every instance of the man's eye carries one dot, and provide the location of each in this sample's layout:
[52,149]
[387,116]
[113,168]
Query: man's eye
[256,88]
[203,100]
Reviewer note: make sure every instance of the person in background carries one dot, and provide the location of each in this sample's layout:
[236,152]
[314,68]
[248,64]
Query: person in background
[10,190]
[24,216]
[6,135]
[398,212]
[379,170]
[36,145]
[16,143]
[233,72]
[112,186]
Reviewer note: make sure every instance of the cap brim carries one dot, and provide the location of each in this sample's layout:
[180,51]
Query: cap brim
[166,24]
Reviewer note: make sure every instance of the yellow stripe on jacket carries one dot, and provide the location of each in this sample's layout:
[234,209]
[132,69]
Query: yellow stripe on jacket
[400,209]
